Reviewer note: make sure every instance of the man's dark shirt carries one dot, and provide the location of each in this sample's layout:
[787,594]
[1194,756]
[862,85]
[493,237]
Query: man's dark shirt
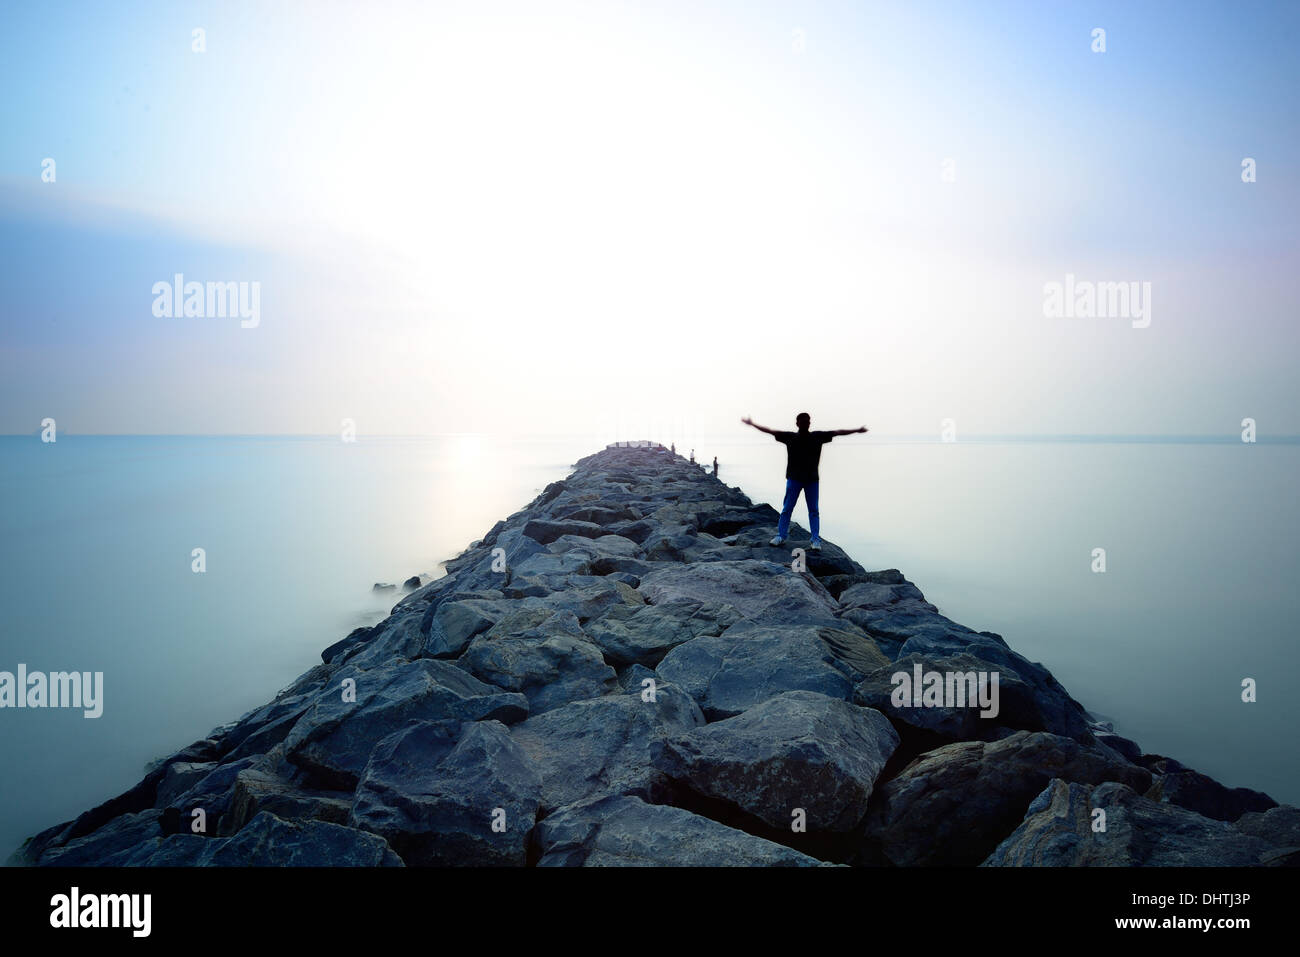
[803,451]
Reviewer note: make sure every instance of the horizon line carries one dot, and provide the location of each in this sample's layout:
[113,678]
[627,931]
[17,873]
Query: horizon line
[1154,437]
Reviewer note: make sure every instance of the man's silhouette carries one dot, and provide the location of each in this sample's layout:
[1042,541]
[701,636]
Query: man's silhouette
[803,452]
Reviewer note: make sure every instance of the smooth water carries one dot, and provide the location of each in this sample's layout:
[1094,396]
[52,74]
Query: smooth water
[1201,546]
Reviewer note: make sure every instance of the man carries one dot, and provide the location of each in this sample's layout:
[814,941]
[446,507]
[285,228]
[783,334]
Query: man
[803,451]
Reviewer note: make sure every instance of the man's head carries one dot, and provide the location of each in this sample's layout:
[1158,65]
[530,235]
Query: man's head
[803,420]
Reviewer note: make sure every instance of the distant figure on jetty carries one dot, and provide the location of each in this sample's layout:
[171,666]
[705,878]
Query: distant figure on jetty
[673,448]
[692,456]
[715,466]
[803,452]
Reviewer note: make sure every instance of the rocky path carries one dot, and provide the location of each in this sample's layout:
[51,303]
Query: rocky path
[626,673]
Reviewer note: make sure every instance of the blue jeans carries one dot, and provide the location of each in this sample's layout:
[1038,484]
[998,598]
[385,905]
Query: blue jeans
[792,489]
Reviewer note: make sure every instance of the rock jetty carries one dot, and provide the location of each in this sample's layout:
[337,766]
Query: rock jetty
[625,672]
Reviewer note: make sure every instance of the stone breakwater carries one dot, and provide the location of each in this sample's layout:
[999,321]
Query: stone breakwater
[625,672]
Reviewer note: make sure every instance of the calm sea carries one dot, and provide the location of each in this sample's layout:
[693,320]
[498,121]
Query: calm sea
[1201,541]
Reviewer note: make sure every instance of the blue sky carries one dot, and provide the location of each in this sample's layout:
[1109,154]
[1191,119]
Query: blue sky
[480,217]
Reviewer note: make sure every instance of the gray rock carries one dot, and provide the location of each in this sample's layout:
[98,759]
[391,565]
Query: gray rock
[257,790]
[627,832]
[1058,832]
[1279,827]
[602,746]
[551,668]
[1204,795]
[398,636]
[757,590]
[181,777]
[952,806]
[751,663]
[268,841]
[645,633]
[797,750]
[455,623]
[333,739]
[442,796]
[544,532]
[110,845]
[1018,702]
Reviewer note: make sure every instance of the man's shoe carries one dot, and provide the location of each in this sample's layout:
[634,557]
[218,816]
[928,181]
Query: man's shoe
[815,545]
[777,542]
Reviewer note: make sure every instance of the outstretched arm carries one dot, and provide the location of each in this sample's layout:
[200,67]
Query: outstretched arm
[861,428]
[762,428]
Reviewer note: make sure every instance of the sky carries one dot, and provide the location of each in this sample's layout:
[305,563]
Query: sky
[525,218]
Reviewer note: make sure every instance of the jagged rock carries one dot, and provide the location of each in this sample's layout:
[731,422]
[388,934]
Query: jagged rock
[1020,705]
[181,777]
[333,739]
[952,806]
[1279,827]
[453,624]
[435,790]
[544,532]
[110,845]
[627,832]
[799,750]
[213,793]
[1200,793]
[551,666]
[757,590]
[1034,699]
[564,666]
[1058,832]
[750,663]
[398,636]
[645,633]
[355,637]
[1129,749]
[257,790]
[602,746]
[269,841]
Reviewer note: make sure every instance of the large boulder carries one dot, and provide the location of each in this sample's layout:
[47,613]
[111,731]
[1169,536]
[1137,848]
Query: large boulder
[270,841]
[758,590]
[1062,829]
[444,793]
[950,708]
[952,806]
[750,663]
[602,746]
[643,634]
[260,789]
[798,751]
[332,741]
[453,625]
[1176,784]
[627,832]
[551,665]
